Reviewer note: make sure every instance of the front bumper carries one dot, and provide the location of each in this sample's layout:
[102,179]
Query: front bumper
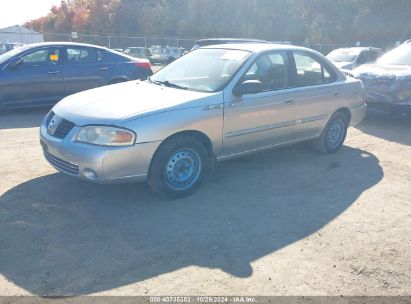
[98,164]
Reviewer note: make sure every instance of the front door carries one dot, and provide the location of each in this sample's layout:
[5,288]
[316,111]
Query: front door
[265,118]
[37,81]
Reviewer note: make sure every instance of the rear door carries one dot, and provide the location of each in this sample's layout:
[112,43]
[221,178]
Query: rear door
[85,68]
[318,93]
[37,81]
[265,118]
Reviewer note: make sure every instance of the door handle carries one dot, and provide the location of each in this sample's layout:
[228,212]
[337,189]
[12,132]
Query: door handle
[214,107]
[336,93]
[104,68]
[289,101]
[53,72]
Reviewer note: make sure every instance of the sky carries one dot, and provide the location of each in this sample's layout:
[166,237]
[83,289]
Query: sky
[14,12]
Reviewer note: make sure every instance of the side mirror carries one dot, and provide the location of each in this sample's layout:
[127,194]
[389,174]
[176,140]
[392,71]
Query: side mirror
[15,63]
[248,87]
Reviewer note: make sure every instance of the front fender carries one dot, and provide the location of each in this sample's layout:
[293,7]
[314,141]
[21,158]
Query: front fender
[158,127]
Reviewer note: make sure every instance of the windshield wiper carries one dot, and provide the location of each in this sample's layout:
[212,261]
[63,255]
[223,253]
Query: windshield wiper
[168,84]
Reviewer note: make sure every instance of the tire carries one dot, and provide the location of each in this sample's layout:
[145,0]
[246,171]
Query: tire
[170,60]
[333,135]
[178,167]
[398,111]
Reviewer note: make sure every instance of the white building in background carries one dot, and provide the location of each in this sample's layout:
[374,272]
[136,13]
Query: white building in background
[17,33]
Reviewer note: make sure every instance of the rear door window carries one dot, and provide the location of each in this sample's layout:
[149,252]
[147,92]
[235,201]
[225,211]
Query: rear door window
[310,71]
[99,55]
[78,55]
[364,57]
[374,55]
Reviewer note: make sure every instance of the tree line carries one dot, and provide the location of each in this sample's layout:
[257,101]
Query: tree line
[377,22]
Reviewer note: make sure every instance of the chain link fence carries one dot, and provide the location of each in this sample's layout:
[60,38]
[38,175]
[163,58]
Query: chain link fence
[123,42]
[110,41]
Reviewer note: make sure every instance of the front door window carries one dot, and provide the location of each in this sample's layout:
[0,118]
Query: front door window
[42,57]
[270,70]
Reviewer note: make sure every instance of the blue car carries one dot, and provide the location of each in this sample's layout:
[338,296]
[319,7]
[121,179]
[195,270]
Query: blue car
[42,74]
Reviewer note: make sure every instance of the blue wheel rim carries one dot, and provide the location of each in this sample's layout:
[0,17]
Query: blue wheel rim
[183,169]
[335,133]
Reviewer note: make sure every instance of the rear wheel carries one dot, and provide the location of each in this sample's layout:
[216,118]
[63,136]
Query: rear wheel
[333,135]
[178,167]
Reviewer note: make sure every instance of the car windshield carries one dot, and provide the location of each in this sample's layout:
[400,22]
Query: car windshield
[6,56]
[343,55]
[205,70]
[398,56]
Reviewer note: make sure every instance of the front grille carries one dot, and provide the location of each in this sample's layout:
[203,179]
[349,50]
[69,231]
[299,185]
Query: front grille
[49,117]
[63,129]
[62,165]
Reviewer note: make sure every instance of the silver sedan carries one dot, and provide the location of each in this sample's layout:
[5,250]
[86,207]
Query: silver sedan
[212,104]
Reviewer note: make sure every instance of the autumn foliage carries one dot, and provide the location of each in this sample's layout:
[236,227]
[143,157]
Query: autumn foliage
[309,21]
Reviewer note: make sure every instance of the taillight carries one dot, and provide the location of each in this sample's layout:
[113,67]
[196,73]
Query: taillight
[143,64]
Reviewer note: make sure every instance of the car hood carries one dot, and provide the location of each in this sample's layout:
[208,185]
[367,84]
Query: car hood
[129,100]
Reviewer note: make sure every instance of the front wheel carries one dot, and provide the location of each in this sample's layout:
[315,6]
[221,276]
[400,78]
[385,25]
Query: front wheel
[178,167]
[333,135]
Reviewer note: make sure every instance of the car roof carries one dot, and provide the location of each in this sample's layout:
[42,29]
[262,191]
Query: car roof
[208,41]
[43,44]
[64,44]
[256,47]
[360,48]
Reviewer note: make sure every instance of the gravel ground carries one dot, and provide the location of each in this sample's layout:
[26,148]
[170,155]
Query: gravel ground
[284,222]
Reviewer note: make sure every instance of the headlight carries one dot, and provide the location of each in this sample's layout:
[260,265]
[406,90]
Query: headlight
[106,136]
